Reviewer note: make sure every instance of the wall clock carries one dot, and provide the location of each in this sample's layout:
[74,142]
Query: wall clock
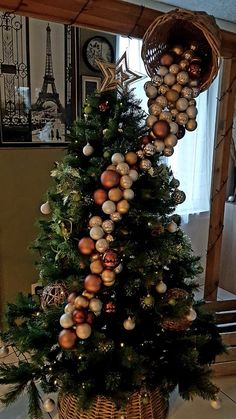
[98,48]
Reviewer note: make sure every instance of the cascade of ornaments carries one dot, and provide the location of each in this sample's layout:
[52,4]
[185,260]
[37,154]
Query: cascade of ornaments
[171,103]
[113,198]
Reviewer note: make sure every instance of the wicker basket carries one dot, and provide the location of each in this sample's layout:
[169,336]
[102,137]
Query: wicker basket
[182,27]
[156,407]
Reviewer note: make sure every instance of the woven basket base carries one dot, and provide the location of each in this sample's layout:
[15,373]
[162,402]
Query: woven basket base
[156,407]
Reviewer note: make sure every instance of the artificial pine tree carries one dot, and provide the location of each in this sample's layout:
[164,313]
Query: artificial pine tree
[117,313]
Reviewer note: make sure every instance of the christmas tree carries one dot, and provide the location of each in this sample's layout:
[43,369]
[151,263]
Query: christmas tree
[117,312]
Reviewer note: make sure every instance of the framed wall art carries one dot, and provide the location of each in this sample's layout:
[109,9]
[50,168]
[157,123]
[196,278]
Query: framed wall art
[89,85]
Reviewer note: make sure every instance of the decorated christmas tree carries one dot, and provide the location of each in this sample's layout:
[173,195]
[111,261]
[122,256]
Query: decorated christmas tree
[117,321]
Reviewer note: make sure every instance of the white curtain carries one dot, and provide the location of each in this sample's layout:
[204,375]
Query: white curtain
[192,159]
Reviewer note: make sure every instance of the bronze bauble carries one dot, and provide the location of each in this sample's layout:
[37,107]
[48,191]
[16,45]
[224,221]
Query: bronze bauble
[123,206]
[167,59]
[108,276]
[115,194]
[96,267]
[92,283]
[67,339]
[100,196]
[110,259]
[161,129]
[78,316]
[110,178]
[172,95]
[86,246]
[131,157]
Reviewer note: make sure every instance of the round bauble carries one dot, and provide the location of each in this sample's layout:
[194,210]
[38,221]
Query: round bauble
[177,49]
[181,132]
[110,178]
[116,217]
[191,111]
[96,267]
[150,90]
[78,316]
[66,321]
[108,226]
[182,118]
[87,295]
[182,78]
[183,64]
[45,208]
[151,119]
[122,168]
[115,194]
[110,259]
[129,324]
[174,113]
[179,196]
[117,158]
[100,196]
[109,238]
[177,87]
[129,194]
[95,221]
[168,151]
[108,276]
[157,80]
[192,315]
[133,174]
[111,167]
[88,109]
[174,69]
[181,104]
[231,198]
[86,246]
[131,158]
[145,164]
[123,206]
[81,302]
[191,125]
[92,283]
[83,331]
[69,308]
[155,109]
[102,245]
[4,351]
[145,139]
[167,59]
[194,70]
[96,232]
[71,298]
[162,101]
[88,150]
[187,92]
[165,116]
[172,96]
[215,404]
[193,83]
[170,140]
[126,182]
[163,89]
[159,144]
[149,150]
[161,287]
[95,305]
[173,127]
[161,129]
[109,284]
[192,102]
[67,339]
[108,207]
[162,71]
[188,54]
[118,269]
[196,91]
[172,227]
[169,79]
[90,318]
[49,405]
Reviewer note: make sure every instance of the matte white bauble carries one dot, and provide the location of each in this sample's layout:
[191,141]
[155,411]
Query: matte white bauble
[117,158]
[128,194]
[96,233]
[95,305]
[66,321]
[192,315]
[129,324]
[215,404]
[45,208]
[102,245]
[161,287]
[108,207]
[133,174]
[49,405]
[69,308]
[88,150]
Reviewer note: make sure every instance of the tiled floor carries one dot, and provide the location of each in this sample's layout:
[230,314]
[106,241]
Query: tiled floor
[179,409]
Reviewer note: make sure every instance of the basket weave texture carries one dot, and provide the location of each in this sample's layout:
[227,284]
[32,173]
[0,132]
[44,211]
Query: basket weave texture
[103,408]
[182,27]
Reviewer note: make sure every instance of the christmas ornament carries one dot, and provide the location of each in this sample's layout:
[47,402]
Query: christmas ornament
[181,132]
[117,76]
[129,324]
[161,287]
[103,107]
[4,351]
[177,49]
[90,318]
[102,245]
[69,308]
[215,404]
[88,150]
[86,246]
[187,92]
[145,164]
[173,127]
[163,89]
[66,321]
[116,216]
[174,69]
[118,269]
[67,339]
[177,87]
[110,259]
[149,150]
[150,90]
[192,315]
[182,77]
[78,316]
[191,125]
[161,129]
[88,109]
[181,104]
[128,194]
[96,232]
[147,302]
[162,71]
[155,110]
[162,101]
[159,145]
[194,69]
[109,179]
[108,276]
[179,196]
[126,182]
[108,207]
[169,79]
[95,221]
[131,158]
[167,59]
[117,158]
[108,225]
[96,267]
[81,302]
[92,283]
[49,405]
[191,111]
[168,151]
[172,95]
[122,168]
[45,208]
[53,295]
[133,174]
[71,298]
[123,206]
[95,305]
[111,167]
[83,331]
[170,140]
[172,227]
[183,64]
[110,307]
[100,196]
[151,119]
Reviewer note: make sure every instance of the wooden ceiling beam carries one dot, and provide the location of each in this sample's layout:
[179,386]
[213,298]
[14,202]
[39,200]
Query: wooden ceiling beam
[115,16]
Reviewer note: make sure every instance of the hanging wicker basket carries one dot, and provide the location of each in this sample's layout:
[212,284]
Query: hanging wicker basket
[182,27]
[155,407]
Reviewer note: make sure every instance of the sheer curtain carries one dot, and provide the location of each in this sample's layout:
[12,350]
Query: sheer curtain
[192,159]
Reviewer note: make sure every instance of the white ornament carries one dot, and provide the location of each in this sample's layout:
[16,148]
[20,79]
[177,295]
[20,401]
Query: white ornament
[192,315]
[128,194]
[95,305]
[129,324]
[102,245]
[118,269]
[49,405]
[88,150]
[172,227]
[96,233]
[45,208]
[108,207]
[161,287]
[231,198]
[66,321]
[69,308]
[4,351]
[215,404]
[117,158]
[133,174]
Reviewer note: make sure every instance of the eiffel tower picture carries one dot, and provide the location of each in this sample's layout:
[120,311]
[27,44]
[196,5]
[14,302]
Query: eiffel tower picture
[48,92]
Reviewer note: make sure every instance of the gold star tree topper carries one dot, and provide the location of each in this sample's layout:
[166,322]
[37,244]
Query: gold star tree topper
[117,76]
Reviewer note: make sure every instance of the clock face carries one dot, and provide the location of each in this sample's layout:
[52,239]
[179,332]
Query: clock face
[98,48]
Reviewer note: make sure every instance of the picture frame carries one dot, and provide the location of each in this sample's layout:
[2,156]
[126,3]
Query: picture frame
[89,85]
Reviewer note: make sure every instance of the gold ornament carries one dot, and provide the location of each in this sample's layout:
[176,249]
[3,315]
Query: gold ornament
[122,168]
[169,79]
[49,405]
[115,194]
[95,221]
[96,233]
[174,128]
[188,54]
[215,404]
[168,151]
[81,302]
[174,69]
[170,141]
[117,76]
[109,238]
[165,116]
[69,308]
[178,49]
[155,109]
[128,194]
[172,227]
[177,87]
[181,104]
[108,276]
[123,206]
[150,90]
[108,226]
[126,182]
[131,157]
[184,64]
[182,118]
[191,125]
[192,315]
[129,324]
[162,70]
[96,267]
[83,331]
[191,111]
[172,95]
[161,287]
[182,77]
[145,164]
[102,245]
[116,217]
[151,119]
[163,89]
